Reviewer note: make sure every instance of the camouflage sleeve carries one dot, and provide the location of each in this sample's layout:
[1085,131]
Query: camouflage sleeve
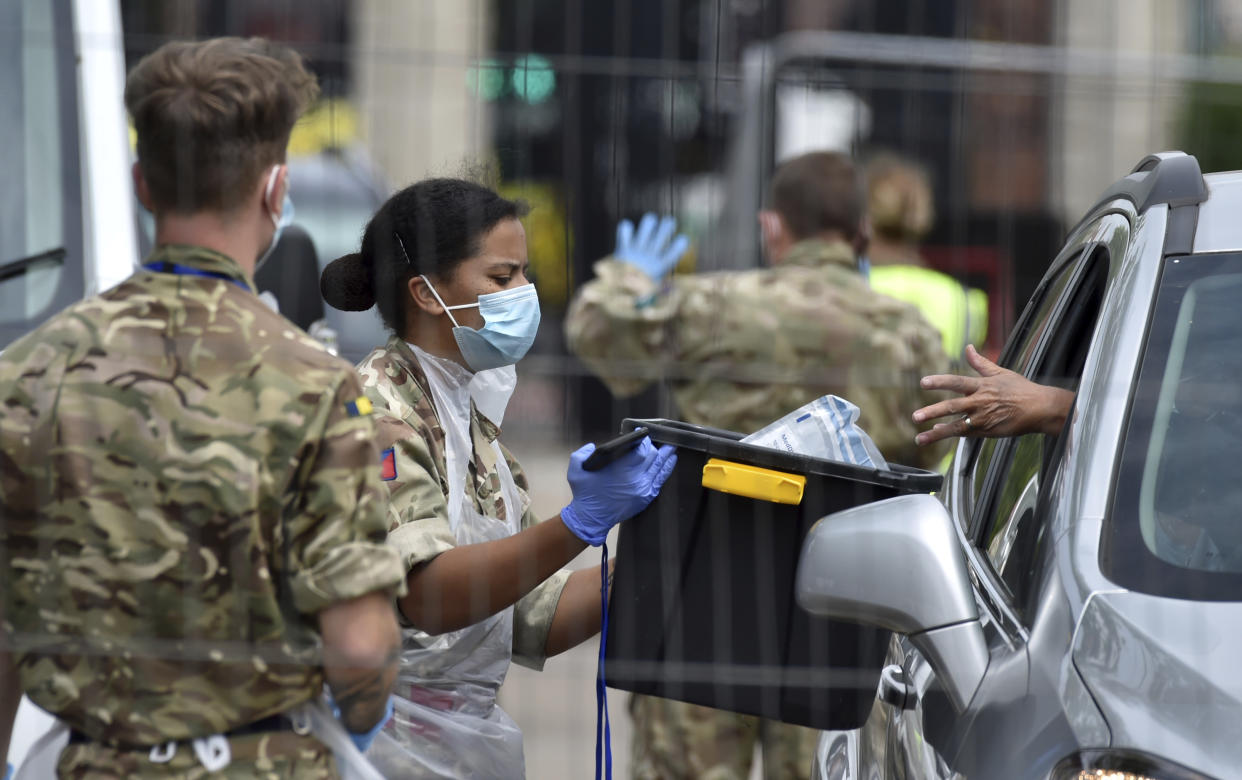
[418,525]
[30,373]
[334,522]
[913,349]
[617,325]
[532,615]
[893,348]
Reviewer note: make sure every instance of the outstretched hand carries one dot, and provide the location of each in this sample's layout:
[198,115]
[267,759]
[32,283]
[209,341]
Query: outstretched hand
[653,249]
[998,402]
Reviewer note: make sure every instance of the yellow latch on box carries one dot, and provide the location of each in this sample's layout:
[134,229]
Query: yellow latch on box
[740,479]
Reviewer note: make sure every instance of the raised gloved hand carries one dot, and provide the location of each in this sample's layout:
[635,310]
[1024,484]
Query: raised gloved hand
[616,492]
[653,249]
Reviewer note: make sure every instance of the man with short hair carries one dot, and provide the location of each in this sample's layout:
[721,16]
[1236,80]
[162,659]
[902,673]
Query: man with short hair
[740,349]
[193,534]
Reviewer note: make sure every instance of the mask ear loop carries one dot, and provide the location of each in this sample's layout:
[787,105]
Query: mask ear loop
[447,309]
[267,195]
[426,281]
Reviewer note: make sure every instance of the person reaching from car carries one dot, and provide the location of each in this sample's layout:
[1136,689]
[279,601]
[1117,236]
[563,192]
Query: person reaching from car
[445,262]
[1194,522]
[996,403]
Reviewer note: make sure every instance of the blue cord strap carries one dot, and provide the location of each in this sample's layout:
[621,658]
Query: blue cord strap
[603,750]
[163,266]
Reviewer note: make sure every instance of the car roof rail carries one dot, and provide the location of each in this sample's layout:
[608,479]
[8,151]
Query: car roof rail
[1171,178]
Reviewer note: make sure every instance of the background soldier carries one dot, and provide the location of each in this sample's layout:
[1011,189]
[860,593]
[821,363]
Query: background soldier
[193,531]
[741,349]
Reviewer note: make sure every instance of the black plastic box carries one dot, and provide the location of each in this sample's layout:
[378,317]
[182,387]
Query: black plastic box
[702,607]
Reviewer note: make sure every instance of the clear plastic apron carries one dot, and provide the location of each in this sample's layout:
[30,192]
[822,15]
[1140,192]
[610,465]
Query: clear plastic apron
[446,722]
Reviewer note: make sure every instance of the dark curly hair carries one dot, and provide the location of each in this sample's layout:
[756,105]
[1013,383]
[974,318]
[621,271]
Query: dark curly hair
[427,228]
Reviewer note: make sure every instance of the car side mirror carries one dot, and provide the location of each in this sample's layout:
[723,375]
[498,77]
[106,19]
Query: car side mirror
[897,564]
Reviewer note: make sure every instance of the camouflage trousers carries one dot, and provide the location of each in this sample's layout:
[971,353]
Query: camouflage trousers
[272,756]
[673,739]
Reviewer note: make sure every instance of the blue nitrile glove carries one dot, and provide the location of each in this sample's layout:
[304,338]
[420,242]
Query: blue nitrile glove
[8,771]
[653,249]
[364,740]
[616,492]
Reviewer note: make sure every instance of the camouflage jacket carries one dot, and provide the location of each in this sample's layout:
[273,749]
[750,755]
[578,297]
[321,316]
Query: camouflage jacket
[412,443]
[742,348]
[186,482]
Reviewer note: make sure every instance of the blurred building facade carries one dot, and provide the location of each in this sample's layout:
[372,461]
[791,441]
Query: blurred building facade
[595,111]
[412,60]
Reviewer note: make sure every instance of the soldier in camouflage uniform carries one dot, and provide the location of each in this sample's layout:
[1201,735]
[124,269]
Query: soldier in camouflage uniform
[741,349]
[484,585]
[417,482]
[193,534]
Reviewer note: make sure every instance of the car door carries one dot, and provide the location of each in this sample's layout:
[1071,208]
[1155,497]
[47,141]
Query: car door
[993,494]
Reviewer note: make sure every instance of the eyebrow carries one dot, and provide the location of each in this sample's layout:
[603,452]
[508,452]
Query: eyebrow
[508,265]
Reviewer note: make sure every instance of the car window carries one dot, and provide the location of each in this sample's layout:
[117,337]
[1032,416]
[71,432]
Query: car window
[39,212]
[1010,535]
[1175,528]
[1030,331]
[983,465]
[1053,351]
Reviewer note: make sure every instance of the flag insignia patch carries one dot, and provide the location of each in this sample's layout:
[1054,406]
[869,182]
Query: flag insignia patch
[359,406]
[388,465]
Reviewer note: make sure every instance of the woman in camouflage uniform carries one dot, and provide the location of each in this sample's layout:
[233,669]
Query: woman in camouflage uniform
[445,262]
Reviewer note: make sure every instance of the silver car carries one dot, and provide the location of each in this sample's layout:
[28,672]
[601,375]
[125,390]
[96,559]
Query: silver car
[1071,606]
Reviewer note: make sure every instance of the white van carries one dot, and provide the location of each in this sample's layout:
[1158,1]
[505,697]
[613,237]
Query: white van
[67,222]
[67,229]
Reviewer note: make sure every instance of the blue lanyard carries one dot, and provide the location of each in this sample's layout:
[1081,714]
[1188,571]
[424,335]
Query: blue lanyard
[163,266]
[603,753]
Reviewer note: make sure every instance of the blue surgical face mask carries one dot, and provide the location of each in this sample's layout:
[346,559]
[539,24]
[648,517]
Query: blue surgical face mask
[283,221]
[510,320]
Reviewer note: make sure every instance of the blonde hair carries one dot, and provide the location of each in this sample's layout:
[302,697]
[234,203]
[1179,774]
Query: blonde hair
[212,116]
[899,200]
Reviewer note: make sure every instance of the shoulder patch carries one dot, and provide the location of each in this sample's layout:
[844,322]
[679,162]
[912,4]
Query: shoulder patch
[388,465]
[359,406]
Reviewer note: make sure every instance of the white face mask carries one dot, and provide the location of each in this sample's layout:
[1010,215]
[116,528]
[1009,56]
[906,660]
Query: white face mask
[283,221]
[510,321]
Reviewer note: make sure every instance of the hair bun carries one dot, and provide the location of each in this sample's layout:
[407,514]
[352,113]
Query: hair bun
[346,283]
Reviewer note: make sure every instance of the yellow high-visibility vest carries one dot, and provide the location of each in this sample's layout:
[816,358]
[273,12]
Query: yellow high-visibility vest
[959,312]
